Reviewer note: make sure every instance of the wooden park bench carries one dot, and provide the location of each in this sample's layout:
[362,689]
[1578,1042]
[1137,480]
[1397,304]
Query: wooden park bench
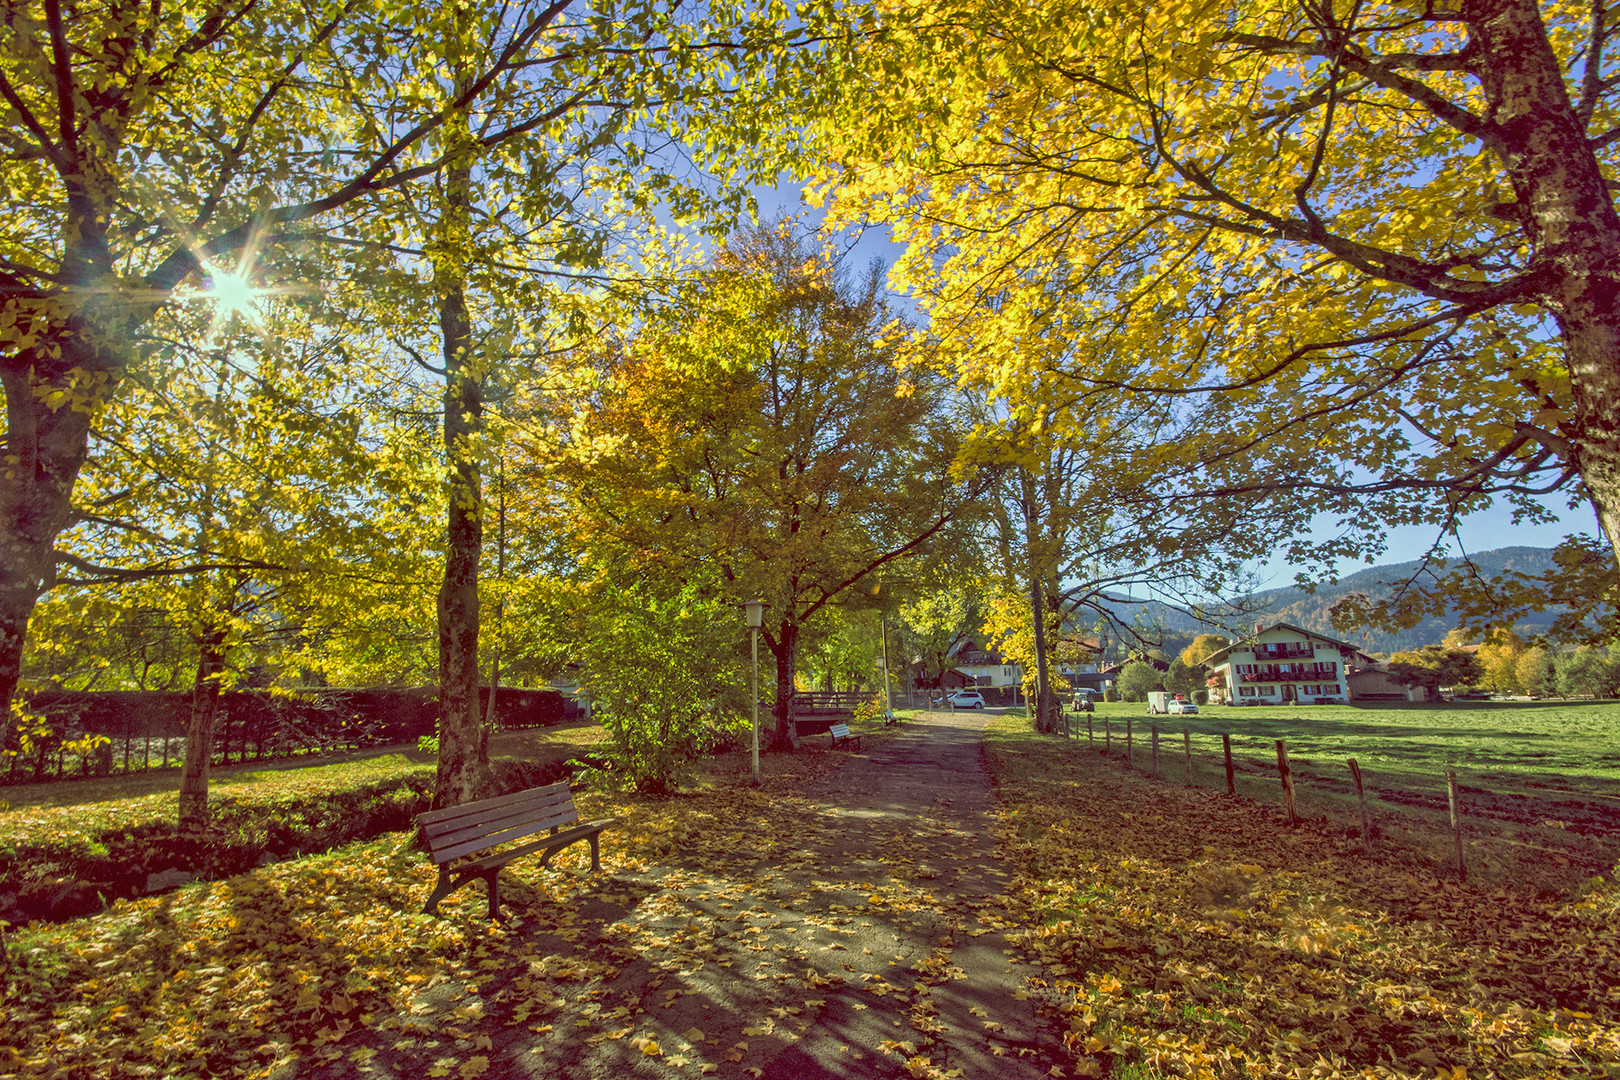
[841,734]
[458,832]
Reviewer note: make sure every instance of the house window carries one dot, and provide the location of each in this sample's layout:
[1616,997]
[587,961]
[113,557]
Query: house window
[1246,691]
[1007,671]
[981,680]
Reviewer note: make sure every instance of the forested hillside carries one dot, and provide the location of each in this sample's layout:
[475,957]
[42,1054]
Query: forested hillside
[1312,610]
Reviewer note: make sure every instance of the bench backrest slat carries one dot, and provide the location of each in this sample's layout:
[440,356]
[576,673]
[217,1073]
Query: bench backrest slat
[486,840]
[446,833]
[840,731]
[474,814]
[476,826]
[549,791]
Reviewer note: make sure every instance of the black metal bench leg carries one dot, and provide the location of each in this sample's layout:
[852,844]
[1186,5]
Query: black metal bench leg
[596,858]
[440,891]
[493,881]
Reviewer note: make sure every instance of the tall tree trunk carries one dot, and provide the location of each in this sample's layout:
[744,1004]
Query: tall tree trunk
[53,388]
[463,764]
[1045,701]
[1570,222]
[490,713]
[784,646]
[200,735]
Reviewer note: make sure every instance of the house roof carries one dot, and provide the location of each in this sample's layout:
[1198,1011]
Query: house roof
[1219,657]
[971,654]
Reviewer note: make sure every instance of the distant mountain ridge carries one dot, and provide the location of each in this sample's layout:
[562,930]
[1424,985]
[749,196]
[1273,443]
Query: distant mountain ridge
[1309,611]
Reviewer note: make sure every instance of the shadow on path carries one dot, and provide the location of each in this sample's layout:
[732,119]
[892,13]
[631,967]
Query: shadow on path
[853,931]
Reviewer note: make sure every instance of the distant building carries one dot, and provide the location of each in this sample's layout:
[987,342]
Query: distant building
[1376,684]
[1281,663]
[985,667]
[973,665]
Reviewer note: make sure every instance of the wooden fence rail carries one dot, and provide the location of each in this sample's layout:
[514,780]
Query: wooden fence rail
[1285,777]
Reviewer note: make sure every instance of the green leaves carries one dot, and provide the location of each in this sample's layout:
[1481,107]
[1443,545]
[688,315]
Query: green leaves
[661,669]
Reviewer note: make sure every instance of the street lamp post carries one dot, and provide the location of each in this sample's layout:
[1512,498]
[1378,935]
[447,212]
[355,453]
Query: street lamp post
[888,706]
[755,611]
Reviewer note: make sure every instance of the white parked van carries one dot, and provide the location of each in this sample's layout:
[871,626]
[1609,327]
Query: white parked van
[1159,701]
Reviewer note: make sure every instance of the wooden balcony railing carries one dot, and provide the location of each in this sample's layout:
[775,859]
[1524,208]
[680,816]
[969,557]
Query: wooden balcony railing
[1302,674]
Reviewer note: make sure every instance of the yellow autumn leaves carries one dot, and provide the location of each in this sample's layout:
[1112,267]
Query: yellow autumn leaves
[1183,932]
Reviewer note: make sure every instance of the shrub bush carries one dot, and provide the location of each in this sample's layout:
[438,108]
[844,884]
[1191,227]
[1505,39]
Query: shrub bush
[654,667]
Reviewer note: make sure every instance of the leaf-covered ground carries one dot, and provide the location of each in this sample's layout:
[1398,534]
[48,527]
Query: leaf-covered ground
[770,933]
[1184,933]
[67,849]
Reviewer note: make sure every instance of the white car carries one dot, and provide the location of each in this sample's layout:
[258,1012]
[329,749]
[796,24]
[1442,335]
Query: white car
[967,699]
[1185,707]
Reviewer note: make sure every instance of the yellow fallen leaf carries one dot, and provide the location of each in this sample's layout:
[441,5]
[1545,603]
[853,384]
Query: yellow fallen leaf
[693,1035]
[473,1066]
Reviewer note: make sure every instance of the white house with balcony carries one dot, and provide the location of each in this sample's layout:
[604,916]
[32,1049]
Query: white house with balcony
[1283,663]
[985,666]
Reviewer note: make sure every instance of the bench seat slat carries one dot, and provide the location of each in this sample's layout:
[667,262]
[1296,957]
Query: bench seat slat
[555,843]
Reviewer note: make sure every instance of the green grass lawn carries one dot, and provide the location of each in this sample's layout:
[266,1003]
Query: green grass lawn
[1541,779]
[67,847]
[1566,738]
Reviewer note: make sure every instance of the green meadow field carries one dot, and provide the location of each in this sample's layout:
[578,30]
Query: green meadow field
[1540,779]
[1481,738]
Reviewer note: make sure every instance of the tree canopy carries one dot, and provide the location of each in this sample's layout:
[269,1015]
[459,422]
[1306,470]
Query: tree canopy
[764,425]
[1373,246]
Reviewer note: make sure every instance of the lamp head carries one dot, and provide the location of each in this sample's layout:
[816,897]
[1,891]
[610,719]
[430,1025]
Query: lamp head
[755,611]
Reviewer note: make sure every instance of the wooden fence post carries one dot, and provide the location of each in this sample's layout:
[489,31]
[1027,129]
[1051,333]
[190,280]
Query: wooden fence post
[1361,797]
[1456,823]
[1091,737]
[1186,744]
[1287,783]
[1128,759]
[1156,750]
[1226,747]
[1108,736]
